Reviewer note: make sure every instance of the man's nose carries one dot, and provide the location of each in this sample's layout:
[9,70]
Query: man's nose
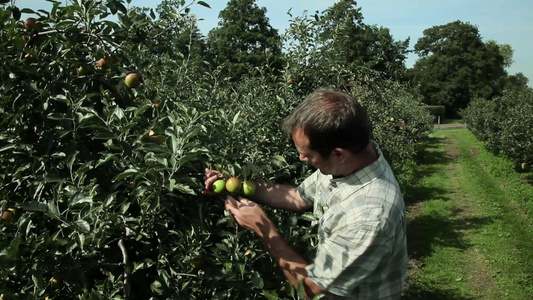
[303,158]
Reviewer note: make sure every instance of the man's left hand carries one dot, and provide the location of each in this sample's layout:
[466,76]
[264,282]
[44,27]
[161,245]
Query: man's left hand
[248,214]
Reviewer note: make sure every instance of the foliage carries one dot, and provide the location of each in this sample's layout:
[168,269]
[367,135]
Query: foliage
[104,178]
[244,39]
[505,124]
[398,119]
[455,66]
[437,110]
[346,40]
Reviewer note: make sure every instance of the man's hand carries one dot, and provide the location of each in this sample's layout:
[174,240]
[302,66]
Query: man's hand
[249,215]
[210,177]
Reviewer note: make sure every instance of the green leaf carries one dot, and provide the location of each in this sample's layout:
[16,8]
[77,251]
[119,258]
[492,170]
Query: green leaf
[83,225]
[142,109]
[310,217]
[257,281]
[279,160]
[8,147]
[80,198]
[145,264]
[190,133]
[51,178]
[222,247]
[104,136]
[301,288]
[52,211]
[184,189]
[105,159]
[125,174]
[33,206]
[270,295]
[236,118]
[202,3]
[58,117]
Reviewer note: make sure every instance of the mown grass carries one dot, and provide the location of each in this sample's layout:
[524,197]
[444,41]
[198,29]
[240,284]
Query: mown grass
[469,223]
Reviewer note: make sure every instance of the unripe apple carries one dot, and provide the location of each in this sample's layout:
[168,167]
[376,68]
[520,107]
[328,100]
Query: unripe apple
[219,186]
[248,188]
[6,216]
[132,80]
[233,185]
[55,283]
[83,70]
[198,262]
[158,139]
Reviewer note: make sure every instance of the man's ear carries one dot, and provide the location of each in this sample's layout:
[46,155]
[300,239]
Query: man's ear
[339,154]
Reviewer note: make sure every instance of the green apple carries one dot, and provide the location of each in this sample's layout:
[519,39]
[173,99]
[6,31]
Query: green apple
[248,188]
[219,186]
[83,70]
[55,283]
[132,80]
[234,185]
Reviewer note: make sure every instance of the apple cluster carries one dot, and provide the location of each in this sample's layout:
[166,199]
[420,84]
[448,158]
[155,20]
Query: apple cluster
[235,186]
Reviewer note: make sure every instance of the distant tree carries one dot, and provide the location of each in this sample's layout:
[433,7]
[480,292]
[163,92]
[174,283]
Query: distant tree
[181,29]
[347,40]
[244,39]
[517,81]
[456,66]
[506,51]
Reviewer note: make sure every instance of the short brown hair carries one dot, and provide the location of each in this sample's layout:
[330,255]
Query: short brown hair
[330,119]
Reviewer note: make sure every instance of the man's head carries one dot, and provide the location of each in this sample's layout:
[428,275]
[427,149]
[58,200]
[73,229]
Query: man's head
[330,120]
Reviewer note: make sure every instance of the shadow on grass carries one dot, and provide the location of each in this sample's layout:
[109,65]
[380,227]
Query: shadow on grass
[431,159]
[418,293]
[426,232]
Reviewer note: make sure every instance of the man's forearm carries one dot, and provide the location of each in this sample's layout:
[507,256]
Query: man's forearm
[290,262]
[279,196]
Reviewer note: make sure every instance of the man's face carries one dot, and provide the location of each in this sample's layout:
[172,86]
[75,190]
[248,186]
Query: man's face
[313,157]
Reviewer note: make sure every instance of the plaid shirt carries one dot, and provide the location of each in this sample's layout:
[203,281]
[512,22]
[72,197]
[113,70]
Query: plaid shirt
[362,248]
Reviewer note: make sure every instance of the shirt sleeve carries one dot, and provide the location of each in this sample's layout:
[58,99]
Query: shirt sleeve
[348,255]
[307,189]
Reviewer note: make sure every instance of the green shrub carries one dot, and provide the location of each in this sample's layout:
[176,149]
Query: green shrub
[505,124]
[438,111]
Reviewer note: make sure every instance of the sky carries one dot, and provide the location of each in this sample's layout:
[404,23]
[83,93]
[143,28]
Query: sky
[504,21]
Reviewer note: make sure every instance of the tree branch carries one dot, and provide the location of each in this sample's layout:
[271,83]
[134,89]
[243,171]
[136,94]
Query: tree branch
[126,272]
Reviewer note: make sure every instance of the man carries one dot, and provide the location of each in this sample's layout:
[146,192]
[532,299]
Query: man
[362,251]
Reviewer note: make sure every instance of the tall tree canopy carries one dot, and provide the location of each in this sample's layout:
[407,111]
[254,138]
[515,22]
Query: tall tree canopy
[245,39]
[455,66]
[349,41]
[181,30]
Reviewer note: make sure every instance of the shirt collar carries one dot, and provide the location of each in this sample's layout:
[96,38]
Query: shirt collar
[366,174]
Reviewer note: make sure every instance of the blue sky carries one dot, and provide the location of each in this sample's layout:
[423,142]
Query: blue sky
[505,21]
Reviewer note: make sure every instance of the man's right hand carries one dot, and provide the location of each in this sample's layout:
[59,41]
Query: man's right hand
[210,177]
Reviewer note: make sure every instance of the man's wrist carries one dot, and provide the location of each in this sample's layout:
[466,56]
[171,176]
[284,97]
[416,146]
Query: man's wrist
[266,230]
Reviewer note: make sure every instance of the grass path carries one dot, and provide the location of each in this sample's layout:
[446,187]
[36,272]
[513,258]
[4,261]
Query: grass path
[470,230]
